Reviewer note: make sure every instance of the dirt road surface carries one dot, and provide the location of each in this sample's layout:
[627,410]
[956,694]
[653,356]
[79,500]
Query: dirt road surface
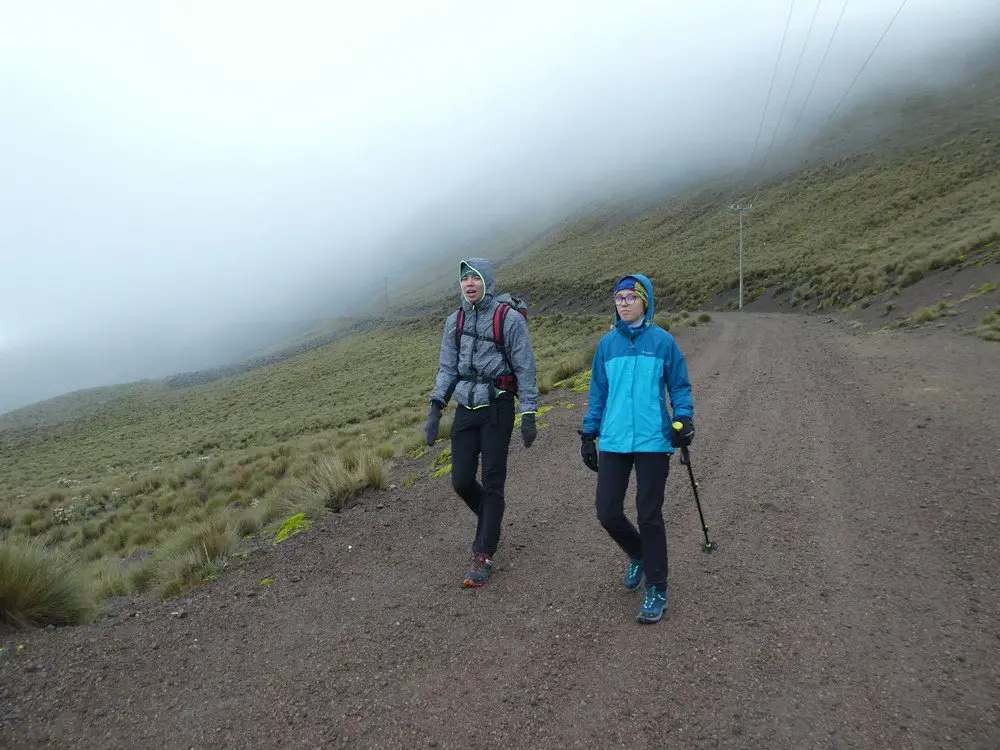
[849,482]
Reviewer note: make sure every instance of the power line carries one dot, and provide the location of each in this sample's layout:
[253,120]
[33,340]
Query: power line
[833,36]
[791,86]
[739,185]
[870,56]
[777,62]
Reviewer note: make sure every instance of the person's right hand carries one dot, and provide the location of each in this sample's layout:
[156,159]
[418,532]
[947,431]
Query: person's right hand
[433,423]
[588,450]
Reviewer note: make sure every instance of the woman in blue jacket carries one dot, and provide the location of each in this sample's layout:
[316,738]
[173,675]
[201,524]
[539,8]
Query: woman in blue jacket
[635,367]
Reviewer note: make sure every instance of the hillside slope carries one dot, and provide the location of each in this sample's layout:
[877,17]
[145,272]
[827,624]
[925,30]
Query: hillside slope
[895,189]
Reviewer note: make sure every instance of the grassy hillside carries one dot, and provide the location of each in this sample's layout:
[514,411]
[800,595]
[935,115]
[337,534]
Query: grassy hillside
[70,406]
[898,188]
[156,489]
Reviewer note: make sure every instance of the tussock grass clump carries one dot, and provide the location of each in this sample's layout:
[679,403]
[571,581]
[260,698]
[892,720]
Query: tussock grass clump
[190,556]
[989,327]
[927,314]
[943,308]
[671,321]
[335,478]
[40,586]
[110,578]
[567,367]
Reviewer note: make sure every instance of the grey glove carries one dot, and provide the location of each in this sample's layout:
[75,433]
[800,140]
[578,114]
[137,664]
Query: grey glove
[588,451]
[528,430]
[433,423]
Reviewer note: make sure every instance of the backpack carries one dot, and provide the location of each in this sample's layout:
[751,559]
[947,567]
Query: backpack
[506,381]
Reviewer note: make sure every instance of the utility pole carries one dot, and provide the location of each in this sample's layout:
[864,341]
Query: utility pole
[740,209]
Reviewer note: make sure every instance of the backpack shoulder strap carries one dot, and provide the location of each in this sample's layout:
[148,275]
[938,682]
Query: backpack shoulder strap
[499,318]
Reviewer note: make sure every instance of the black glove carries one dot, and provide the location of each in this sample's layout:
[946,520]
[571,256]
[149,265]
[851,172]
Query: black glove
[528,430]
[433,422]
[681,438]
[588,450]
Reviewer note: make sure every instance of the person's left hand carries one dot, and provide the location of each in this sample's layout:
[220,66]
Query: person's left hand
[528,430]
[681,437]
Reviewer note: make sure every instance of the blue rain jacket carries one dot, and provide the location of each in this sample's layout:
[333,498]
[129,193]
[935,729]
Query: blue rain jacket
[633,372]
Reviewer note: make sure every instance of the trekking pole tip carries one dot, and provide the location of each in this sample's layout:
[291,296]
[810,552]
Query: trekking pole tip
[708,547]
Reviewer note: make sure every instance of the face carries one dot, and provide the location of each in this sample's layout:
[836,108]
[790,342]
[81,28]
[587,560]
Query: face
[472,288]
[629,306]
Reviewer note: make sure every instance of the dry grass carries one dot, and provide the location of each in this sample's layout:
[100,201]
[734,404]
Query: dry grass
[40,586]
[335,479]
[990,326]
[671,321]
[944,308]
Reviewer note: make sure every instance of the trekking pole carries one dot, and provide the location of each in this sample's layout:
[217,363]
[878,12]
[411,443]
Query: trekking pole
[686,460]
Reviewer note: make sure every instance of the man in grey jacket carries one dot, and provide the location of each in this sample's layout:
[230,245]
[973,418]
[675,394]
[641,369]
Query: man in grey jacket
[484,379]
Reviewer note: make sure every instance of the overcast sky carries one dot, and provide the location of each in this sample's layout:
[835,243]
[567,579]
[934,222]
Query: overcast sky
[172,169]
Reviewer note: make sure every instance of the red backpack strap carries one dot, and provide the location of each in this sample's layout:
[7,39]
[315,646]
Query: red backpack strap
[499,316]
[507,381]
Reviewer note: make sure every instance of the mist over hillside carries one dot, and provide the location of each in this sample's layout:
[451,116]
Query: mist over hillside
[139,246]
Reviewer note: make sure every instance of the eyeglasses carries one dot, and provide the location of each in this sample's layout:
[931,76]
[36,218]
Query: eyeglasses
[625,299]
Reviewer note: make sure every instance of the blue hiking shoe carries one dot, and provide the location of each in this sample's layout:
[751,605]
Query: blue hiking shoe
[479,572]
[633,575]
[653,605]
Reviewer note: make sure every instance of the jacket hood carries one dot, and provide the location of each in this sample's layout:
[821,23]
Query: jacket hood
[647,319]
[484,268]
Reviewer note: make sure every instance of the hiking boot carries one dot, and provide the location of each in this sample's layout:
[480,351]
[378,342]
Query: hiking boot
[653,605]
[479,572]
[633,575]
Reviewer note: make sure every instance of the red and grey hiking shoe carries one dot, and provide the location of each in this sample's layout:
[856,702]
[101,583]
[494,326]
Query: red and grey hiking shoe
[479,572]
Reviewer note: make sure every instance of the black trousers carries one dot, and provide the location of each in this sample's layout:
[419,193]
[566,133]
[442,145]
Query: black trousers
[649,543]
[483,432]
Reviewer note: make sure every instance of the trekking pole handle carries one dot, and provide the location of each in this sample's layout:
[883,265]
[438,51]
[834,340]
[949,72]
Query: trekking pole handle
[685,455]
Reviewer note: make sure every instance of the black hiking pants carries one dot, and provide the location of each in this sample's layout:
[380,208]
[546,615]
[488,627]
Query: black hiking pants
[649,543]
[485,431]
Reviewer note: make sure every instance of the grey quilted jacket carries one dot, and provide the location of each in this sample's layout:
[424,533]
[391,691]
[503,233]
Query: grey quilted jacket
[469,373]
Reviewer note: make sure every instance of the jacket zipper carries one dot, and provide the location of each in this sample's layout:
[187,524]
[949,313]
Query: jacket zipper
[472,357]
[631,343]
